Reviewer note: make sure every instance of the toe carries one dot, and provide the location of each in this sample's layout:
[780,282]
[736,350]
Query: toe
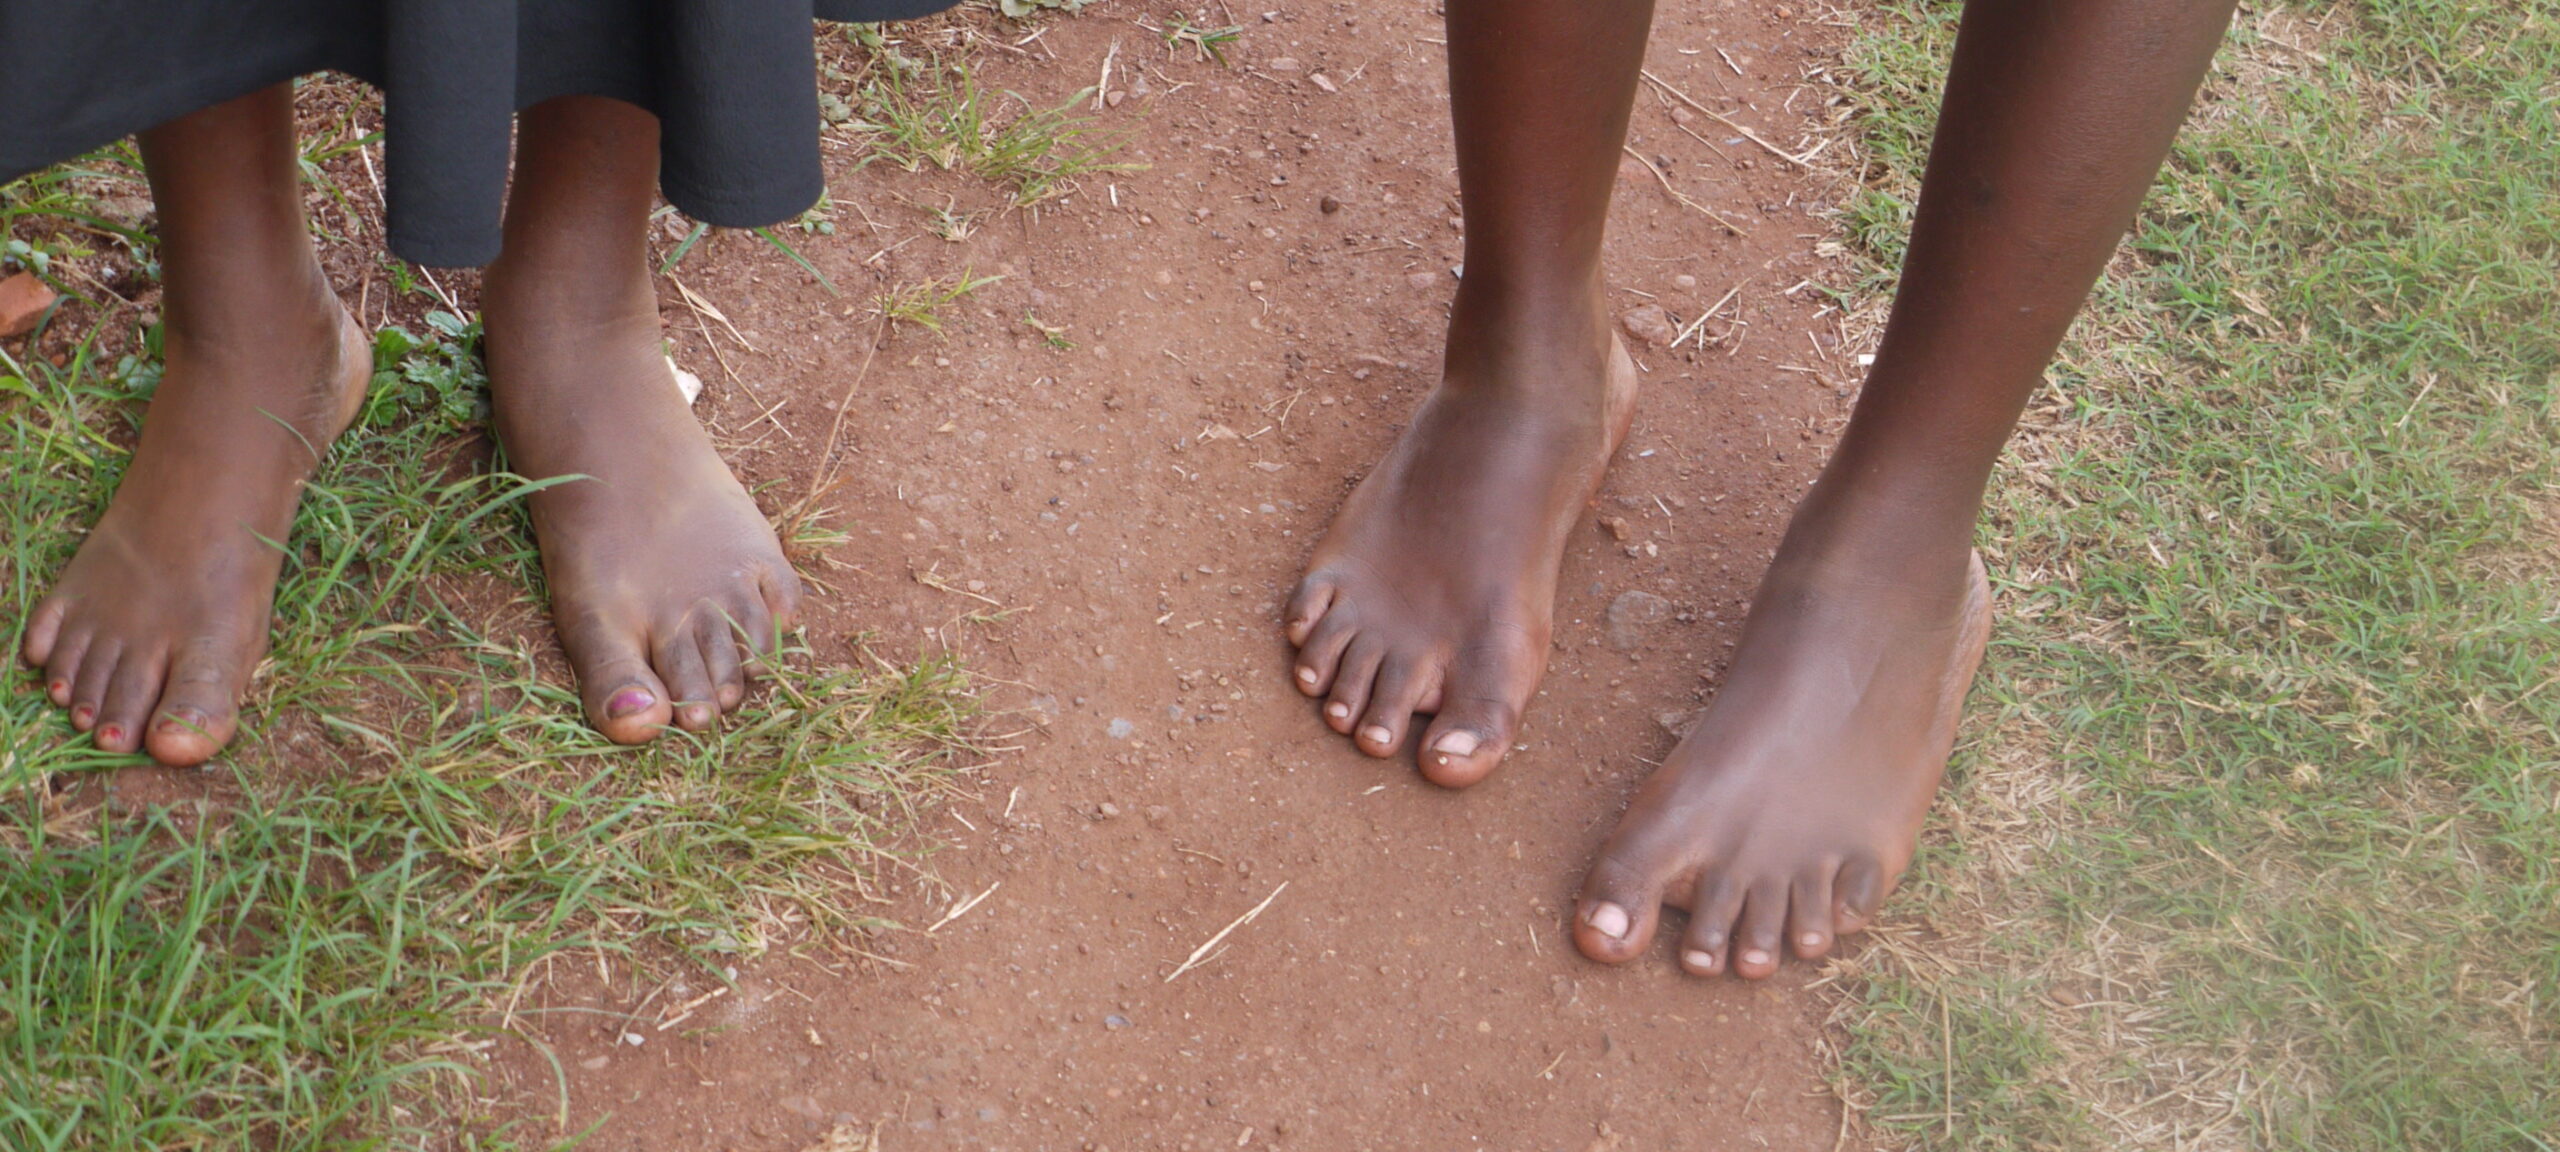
[62,667]
[1621,905]
[625,700]
[44,627]
[679,662]
[781,595]
[1479,712]
[1810,929]
[1351,681]
[89,685]
[1756,932]
[1306,606]
[1705,948]
[718,640]
[1857,892]
[1320,655]
[1402,683]
[127,703]
[199,708]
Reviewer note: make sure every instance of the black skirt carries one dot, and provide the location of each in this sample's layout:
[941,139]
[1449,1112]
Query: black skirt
[733,83]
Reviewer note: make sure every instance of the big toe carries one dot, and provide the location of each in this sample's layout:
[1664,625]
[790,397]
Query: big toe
[1480,707]
[624,698]
[1621,905]
[199,709]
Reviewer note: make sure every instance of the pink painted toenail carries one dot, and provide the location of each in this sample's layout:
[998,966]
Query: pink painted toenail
[111,734]
[627,702]
[1458,742]
[1610,920]
[1702,960]
[82,715]
[1754,957]
[1377,734]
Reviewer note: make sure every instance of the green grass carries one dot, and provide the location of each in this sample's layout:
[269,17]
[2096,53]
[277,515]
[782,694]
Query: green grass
[415,817]
[921,303]
[916,112]
[2255,841]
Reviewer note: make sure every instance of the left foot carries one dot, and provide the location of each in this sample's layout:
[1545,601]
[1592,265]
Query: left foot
[667,584]
[1793,807]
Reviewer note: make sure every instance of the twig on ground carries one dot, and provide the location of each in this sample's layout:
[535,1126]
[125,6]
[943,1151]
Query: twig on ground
[1202,951]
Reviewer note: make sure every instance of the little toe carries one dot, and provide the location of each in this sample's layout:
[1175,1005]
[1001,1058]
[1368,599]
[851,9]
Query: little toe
[1621,904]
[1856,893]
[1810,929]
[1402,682]
[1306,606]
[1756,932]
[199,708]
[679,662]
[1351,680]
[1705,949]
[44,627]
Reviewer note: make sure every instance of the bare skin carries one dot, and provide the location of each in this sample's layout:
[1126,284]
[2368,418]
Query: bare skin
[1793,807]
[1434,591]
[667,584]
[150,634]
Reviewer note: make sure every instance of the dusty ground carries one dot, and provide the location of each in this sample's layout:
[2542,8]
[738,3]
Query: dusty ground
[1140,505]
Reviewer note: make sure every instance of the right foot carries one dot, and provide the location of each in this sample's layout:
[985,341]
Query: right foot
[151,632]
[1434,591]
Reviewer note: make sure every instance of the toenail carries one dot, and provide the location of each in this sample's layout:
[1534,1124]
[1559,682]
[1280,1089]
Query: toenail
[1459,742]
[628,701]
[1701,960]
[1338,711]
[1377,734]
[82,715]
[1306,675]
[1812,940]
[1610,919]
[1754,957]
[111,734]
[183,720]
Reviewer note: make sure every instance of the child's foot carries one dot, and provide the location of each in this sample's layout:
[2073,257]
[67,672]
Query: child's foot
[667,584]
[1785,817]
[151,632]
[1434,591]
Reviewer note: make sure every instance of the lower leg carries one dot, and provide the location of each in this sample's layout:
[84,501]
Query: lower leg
[1797,801]
[1434,590]
[151,632]
[666,581]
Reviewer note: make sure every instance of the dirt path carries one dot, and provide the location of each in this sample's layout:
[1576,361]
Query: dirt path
[1412,986]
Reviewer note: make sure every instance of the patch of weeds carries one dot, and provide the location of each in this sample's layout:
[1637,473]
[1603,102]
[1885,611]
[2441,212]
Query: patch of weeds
[2254,841]
[1053,335]
[914,113]
[1025,9]
[922,304]
[1208,41]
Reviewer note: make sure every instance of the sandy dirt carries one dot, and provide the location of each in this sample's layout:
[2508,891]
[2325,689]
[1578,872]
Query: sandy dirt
[1253,314]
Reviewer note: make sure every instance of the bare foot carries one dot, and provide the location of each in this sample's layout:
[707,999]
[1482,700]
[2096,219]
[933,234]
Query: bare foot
[667,584]
[1796,803]
[1434,591]
[162,616]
